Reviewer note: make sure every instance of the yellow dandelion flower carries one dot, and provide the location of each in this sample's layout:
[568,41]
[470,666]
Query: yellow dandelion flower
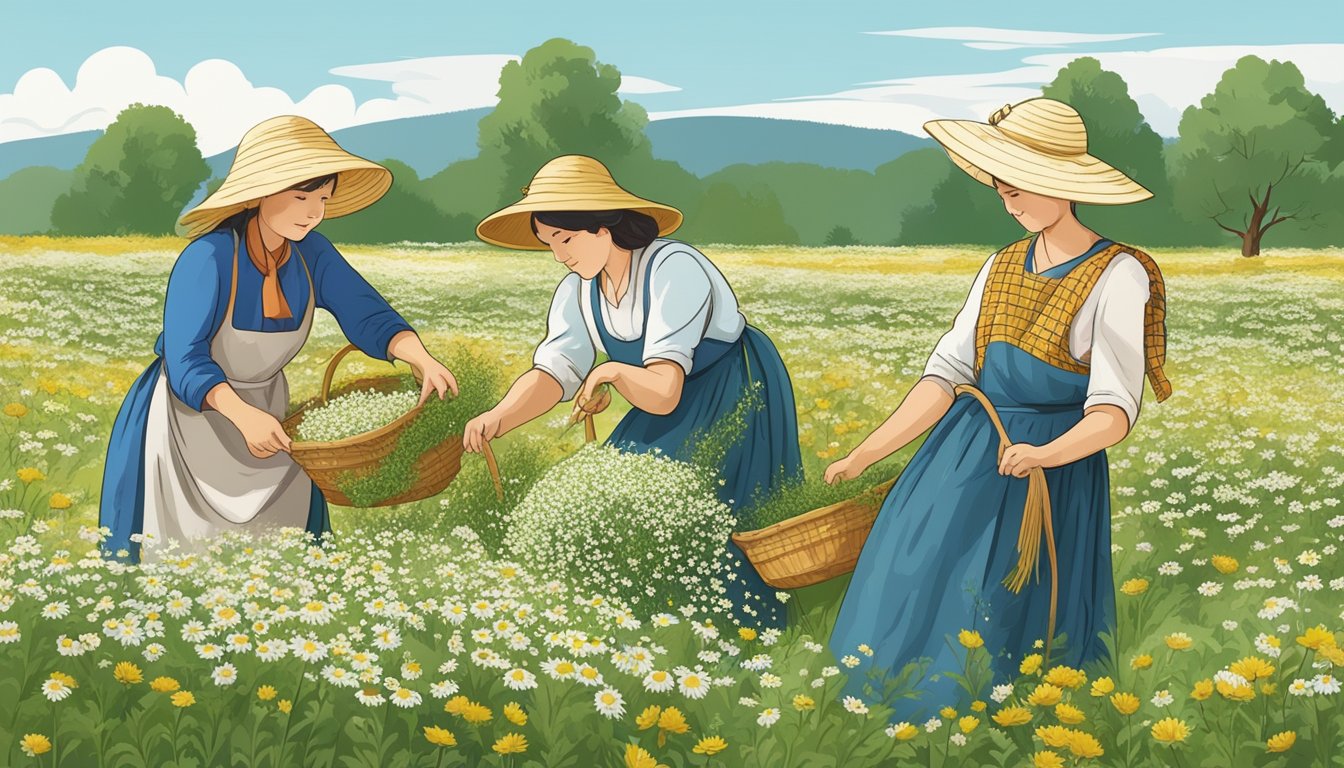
[1056,736]
[284,705]
[746,633]
[1031,664]
[906,732]
[127,673]
[266,692]
[513,712]
[1102,686]
[1170,730]
[1225,564]
[511,744]
[710,745]
[948,713]
[1066,677]
[1012,715]
[1047,759]
[59,501]
[16,410]
[1045,695]
[638,757]
[1252,668]
[1268,689]
[34,744]
[968,723]
[164,685]
[477,713]
[649,717]
[969,638]
[456,705]
[30,475]
[1202,690]
[673,721]
[1142,661]
[978,706]
[803,703]
[1068,714]
[1125,703]
[1134,587]
[1235,692]
[1282,742]
[183,699]
[1315,638]
[1333,654]
[64,678]
[1178,641]
[440,737]
[1084,745]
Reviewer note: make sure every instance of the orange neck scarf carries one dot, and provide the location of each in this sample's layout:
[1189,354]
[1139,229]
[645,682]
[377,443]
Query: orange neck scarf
[268,263]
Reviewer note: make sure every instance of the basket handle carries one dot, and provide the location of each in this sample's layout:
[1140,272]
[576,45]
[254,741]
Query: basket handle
[590,434]
[331,369]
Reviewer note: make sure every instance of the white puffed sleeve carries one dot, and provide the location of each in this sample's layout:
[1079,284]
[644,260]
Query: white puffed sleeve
[679,311]
[953,358]
[1118,360]
[567,352]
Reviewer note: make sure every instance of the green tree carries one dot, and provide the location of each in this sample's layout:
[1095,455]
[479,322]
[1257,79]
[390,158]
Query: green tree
[1118,134]
[404,213]
[1252,157]
[747,216]
[135,178]
[840,235]
[960,210]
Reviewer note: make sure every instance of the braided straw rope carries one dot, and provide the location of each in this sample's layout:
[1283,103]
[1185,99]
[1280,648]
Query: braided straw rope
[1036,518]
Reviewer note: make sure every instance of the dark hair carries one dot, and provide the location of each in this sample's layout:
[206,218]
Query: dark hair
[238,221]
[629,229]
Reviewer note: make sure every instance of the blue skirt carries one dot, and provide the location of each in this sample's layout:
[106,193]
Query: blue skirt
[946,536]
[762,456]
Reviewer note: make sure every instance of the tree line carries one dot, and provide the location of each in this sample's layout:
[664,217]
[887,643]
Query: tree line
[1257,161]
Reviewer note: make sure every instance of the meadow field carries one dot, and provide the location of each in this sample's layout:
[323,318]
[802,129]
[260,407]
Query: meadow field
[418,639]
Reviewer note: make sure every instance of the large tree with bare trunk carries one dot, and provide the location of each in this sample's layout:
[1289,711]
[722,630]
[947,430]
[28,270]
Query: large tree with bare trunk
[1256,155]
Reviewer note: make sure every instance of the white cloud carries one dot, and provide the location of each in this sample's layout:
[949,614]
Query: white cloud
[1163,81]
[219,100]
[996,39]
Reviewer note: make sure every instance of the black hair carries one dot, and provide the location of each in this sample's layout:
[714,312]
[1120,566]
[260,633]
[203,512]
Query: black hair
[238,221]
[629,229]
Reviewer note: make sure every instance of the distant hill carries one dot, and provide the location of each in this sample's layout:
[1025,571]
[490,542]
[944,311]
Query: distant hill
[26,197]
[702,145]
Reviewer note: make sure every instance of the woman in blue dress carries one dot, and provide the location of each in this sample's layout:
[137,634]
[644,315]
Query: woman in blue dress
[680,350]
[197,447]
[1053,341]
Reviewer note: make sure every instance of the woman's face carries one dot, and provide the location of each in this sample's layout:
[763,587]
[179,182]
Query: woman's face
[582,251]
[1033,211]
[294,213]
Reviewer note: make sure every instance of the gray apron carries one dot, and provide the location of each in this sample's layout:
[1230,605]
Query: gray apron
[200,478]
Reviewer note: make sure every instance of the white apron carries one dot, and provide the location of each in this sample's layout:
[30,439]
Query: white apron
[200,479]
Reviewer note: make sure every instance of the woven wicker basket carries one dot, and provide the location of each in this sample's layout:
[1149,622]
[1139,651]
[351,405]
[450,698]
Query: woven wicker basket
[326,461]
[814,546]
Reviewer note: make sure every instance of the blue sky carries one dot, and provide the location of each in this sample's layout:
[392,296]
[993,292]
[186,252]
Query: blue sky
[781,59]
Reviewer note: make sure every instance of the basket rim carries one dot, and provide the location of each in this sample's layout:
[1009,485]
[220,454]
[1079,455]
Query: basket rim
[354,440]
[808,517]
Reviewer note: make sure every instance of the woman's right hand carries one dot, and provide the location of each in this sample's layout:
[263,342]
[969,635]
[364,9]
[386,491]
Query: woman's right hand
[847,468]
[481,430]
[263,433]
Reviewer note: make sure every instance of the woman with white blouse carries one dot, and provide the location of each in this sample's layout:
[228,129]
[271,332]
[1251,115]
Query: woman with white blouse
[680,350]
[1042,370]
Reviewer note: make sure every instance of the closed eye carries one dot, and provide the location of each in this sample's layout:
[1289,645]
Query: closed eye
[567,239]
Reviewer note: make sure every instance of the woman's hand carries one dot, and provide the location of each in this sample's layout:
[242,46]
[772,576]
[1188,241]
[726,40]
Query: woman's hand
[434,377]
[1020,458]
[481,430]
[262,432]
[847,468]
[605,373]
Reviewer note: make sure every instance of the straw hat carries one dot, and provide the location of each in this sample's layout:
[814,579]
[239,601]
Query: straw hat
[1039,145]
[279,153]
[568,183]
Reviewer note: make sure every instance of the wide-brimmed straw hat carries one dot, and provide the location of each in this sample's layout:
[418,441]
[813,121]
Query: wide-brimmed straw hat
[1039,145]
[568,183]
[279,153]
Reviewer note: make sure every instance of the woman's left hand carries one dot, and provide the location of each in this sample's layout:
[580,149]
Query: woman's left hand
[1020,458]
[434,377]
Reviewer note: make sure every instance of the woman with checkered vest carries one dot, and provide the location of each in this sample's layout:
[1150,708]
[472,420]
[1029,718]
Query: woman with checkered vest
[1000,523]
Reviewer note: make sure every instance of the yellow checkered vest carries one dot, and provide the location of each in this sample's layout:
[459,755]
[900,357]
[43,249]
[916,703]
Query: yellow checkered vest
[1034,313]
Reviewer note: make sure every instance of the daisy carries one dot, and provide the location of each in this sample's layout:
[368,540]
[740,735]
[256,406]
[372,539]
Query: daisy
[56,689]
[1325,684]
[339,676]
[1300,687]
[519,679]
[225,674]
[66,646]
[309,650]
[589,676]
[692,685]
[406,698]
[56,610]
[855,705]
[768,717]
[238,643]
[209,651]
[9,632]
[271,650]
[1162,698]
[559,669]
[369,697]
[154,651]
[658,681]
[609,703]
[443,689]
[193,632]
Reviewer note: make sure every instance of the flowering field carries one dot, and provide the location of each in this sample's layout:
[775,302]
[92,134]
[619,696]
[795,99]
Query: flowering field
[422,638]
